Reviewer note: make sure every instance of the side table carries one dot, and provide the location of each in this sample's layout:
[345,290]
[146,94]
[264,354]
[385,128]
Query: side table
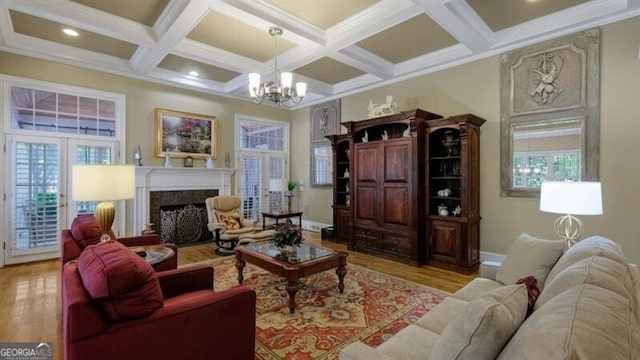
[281,215]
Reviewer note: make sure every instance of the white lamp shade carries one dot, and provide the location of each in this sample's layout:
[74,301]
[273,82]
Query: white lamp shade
[301,89]
[276,185]
[102,182]
[287,79]
[571,198]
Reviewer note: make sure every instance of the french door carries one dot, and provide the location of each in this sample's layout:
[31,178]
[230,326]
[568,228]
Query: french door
[37,181]
[262,146]
[258,170]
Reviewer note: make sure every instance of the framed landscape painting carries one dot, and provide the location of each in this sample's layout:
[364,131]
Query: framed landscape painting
[185,134]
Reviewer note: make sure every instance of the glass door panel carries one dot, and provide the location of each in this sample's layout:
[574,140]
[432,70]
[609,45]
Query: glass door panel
[34,197]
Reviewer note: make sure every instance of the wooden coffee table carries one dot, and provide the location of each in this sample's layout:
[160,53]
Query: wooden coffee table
[313,259]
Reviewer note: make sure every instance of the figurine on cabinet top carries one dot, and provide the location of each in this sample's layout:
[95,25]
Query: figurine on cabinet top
[365,138]
[346,174]
[385,135]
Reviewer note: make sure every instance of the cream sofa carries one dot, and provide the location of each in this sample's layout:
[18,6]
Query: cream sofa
[587,309]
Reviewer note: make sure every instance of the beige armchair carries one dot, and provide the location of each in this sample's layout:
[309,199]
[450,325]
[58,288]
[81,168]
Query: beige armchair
[228,225]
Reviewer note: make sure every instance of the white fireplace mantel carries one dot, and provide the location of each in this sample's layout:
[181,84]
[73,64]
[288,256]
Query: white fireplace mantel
[151,178]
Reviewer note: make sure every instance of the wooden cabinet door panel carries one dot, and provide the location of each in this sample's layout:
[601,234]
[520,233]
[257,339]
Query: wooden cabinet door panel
[396,206]
[397,162]
[366,163]
[444,241]
[343,219]
[366,204]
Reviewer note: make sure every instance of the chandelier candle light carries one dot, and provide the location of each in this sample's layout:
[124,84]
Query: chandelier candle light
[103,183]
[570,198]
[278,90]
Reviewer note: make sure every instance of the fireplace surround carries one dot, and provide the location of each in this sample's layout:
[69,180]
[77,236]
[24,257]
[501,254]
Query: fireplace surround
[150,179]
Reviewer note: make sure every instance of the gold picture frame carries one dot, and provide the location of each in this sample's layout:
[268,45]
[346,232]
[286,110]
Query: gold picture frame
[185,134]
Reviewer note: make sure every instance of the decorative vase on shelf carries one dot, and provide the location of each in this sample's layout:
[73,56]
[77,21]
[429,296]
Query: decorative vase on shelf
[209,162]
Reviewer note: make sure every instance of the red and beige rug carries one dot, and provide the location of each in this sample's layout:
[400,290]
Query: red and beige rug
[373,307]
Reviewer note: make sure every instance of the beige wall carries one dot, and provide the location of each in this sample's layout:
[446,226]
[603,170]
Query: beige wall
[143,98]
[474,88]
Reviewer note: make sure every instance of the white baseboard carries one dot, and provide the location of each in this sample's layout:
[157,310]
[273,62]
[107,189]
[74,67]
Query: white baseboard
[313,226]
[489,256]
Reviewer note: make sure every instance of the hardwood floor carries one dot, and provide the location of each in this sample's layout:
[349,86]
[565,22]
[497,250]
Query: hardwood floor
[30,303]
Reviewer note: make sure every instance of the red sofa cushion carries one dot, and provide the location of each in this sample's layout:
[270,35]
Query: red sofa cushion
[85,230]
[122,284]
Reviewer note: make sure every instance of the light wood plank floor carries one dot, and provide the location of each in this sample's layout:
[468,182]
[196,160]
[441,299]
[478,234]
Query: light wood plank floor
[30,304]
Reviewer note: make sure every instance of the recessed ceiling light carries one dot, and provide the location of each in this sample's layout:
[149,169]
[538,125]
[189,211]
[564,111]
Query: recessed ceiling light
[70,32]
[193,73]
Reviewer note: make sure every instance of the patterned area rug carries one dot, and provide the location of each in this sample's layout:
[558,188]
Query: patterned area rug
[372,308]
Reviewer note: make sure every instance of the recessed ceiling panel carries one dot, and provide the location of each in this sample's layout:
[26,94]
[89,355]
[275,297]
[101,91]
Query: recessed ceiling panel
[52,31]
[142,11]
[330,13]
[205,71]
[501,14]
[329,71]
[235,36]
[415,37]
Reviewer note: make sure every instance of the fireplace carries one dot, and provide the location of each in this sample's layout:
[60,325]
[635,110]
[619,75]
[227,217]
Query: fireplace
[180,216]
[176,188]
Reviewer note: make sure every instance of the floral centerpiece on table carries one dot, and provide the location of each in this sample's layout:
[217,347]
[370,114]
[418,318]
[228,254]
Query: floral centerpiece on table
[287,235]
[287,238]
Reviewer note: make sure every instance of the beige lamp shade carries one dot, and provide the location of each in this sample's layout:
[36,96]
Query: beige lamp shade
[103,183]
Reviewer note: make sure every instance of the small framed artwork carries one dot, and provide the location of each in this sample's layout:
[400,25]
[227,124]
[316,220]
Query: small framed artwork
[183,134]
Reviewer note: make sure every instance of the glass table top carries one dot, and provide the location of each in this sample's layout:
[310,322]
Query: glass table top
[305,252]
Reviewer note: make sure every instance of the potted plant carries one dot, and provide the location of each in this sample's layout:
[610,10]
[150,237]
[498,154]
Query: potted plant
[290,186]
[287,238]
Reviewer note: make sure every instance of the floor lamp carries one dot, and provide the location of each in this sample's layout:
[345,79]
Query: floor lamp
[104,183]
[570,198]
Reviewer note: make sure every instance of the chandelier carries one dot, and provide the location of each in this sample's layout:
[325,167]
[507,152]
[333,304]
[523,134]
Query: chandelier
[279,89]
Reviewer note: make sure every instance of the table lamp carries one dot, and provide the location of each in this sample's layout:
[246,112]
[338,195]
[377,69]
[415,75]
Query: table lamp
[104,183]
[570,198]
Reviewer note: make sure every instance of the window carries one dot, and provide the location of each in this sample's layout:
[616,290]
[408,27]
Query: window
[530,169]
[42,110]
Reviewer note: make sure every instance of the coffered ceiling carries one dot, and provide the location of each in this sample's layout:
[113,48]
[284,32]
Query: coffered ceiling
[339,47]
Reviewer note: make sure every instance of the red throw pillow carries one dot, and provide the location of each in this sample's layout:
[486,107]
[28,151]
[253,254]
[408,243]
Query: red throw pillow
[122,284]
[532,290]
[85,230]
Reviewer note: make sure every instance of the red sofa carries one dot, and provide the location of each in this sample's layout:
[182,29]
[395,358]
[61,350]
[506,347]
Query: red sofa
[114,306]
[84,231]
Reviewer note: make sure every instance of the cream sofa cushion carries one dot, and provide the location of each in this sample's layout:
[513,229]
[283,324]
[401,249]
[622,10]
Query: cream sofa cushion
[529,256]
[592,246]
[476,287]
[595,270]
[584,322]
[410,338]
[484,327]
[439,317]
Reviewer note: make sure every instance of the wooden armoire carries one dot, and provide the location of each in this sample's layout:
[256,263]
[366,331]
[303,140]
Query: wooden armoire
[386,183]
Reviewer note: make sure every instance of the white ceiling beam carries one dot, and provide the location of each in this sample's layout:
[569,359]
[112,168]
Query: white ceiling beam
[5,24]
[460,21]
[176,24]
[366,61]
[216,57]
